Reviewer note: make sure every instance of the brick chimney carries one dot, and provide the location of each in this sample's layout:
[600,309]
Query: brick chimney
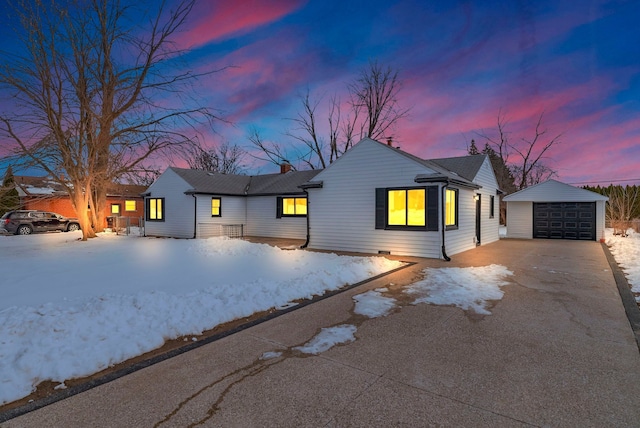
[389,141]
[285,167]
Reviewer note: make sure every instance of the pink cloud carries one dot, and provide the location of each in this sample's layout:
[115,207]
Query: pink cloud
[219,19]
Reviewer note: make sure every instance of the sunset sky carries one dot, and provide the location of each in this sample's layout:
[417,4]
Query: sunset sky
[460,63]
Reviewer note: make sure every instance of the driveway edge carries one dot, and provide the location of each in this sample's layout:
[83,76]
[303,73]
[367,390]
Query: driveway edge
[628,301]
[90,384]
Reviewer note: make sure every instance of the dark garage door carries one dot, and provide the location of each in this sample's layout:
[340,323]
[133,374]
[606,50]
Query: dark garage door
[564,220]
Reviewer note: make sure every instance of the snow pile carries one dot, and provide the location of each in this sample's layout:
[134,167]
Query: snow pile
[70,309]
[373,304]
[467,288]
[627,254]
[328,338]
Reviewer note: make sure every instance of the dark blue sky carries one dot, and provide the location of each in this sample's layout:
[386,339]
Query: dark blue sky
[461,63]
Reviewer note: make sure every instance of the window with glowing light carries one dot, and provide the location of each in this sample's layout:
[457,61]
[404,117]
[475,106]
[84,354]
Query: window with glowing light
[216,207]
[451,209]
[115,209]
[130,205]
[155,209]
[406,207]
[292,207]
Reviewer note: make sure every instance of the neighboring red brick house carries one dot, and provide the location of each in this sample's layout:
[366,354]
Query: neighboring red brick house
[42,193]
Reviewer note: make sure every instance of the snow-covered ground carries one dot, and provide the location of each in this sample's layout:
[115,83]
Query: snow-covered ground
[70,309]
[627,253]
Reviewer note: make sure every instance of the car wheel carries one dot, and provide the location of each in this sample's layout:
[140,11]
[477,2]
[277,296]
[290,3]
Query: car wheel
[24,230]
[73,227]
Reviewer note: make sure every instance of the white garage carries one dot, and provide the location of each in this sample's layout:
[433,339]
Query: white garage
[555,210]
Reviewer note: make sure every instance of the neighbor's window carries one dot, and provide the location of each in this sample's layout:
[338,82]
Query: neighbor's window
[155,209]
[492,206]
[294,207]
[451,208]
[406,207]
[216,204]
[115,208]
[130,205]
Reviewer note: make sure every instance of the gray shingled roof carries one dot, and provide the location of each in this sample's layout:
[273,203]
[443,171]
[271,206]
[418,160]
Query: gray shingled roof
[465,166]
[462,168]
[230,184]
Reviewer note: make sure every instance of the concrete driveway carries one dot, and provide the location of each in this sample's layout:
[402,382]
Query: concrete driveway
[557,350]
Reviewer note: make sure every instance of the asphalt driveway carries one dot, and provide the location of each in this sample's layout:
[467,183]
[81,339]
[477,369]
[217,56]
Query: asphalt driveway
[557,350]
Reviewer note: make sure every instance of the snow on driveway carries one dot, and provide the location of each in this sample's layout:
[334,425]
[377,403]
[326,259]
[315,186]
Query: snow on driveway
[70,308]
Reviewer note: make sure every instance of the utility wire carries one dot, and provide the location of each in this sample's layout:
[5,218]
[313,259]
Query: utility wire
[605,181]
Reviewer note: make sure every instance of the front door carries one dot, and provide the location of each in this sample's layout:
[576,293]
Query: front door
[478,217]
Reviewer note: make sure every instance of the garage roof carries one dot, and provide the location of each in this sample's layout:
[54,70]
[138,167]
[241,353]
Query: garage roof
[554,191]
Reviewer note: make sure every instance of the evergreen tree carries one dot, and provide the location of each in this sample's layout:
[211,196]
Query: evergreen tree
[9,198]
[473,149]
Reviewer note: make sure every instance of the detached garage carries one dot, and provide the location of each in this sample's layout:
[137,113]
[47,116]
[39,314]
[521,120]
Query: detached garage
[555,210]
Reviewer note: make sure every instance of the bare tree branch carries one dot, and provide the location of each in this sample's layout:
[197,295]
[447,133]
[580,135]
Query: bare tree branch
[90,95]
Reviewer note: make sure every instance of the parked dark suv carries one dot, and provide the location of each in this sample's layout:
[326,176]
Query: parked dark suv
[24,222]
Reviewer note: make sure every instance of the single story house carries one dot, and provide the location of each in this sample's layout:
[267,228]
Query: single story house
[373,199]
[555,210]
[45,194]
[186,203]
[379,199]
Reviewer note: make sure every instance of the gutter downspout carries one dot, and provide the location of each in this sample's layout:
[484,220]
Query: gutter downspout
[443,209]
[306,243]
[195,215]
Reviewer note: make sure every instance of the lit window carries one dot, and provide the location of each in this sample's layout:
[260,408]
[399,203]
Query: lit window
[406,207]
[130,205]
[451,208]
[115,208]
[293,207]
[216,204]
[155,209]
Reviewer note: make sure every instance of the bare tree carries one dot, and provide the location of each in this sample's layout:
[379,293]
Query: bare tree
[90,91]
[225,159]
[623,207]
[376,91]
[524,157]
[268,151]
[374,111]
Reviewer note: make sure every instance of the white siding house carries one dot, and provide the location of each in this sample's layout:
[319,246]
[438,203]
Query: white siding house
[555,210]
[185,203]
[350,203]
[374,199]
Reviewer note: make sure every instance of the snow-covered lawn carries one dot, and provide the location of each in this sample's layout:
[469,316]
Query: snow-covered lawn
[70,309]
[627,253]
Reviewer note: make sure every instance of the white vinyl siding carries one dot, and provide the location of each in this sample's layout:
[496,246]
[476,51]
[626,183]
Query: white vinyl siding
[520,219]
[342,213]
[490,227]
[262,221]
[178,207]
[462,238]
[520,206]
[232,208]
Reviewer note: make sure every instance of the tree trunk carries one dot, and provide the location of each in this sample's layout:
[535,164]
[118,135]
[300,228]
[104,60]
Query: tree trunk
[80,201]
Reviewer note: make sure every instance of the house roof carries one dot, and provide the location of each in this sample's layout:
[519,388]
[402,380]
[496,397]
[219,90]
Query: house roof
[240,185]
[460,170]
[465,166]
[554,191]
[47,187]
[37,186]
